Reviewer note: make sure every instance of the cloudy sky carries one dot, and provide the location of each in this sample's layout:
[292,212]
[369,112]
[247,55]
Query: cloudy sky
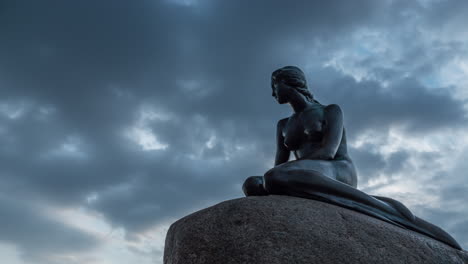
[119,117]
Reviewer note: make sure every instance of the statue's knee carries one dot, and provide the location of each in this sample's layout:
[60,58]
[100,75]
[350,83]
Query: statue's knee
[253,186]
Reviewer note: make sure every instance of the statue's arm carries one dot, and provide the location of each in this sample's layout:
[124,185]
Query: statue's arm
[333,132]
[282,153]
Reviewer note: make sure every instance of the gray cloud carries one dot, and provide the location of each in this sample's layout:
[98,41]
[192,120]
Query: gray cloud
[37,236]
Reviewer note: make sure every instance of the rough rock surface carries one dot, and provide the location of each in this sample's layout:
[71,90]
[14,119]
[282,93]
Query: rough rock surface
[281,229]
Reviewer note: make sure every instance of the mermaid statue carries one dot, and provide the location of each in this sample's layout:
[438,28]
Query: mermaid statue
[323,169]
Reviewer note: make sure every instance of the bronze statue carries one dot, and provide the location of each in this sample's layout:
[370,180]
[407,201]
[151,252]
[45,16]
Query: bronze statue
[323,169]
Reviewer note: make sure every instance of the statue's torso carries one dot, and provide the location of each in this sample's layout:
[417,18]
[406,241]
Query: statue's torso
[304,128]
[303,133]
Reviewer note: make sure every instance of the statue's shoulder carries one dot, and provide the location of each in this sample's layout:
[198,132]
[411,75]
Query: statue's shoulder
[333,109]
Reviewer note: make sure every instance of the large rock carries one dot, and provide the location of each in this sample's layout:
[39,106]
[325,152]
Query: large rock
[281,229]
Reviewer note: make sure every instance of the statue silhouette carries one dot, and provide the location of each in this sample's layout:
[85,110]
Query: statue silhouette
[323,169]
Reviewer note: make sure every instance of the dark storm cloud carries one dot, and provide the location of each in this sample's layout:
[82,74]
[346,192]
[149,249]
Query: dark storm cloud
[75,56]
[446,13]
[405,102]
[208,66]
[370,163]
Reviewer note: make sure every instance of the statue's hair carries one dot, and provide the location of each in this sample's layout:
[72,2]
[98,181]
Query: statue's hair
[294,77]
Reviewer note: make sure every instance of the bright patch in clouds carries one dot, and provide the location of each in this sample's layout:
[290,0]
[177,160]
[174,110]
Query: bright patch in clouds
[9,254]
[146,139]
[146,246]
[455,74]
[142,134]
[13,110]
[414,185]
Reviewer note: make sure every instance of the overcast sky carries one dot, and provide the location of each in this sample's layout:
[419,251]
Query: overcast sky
[119,117]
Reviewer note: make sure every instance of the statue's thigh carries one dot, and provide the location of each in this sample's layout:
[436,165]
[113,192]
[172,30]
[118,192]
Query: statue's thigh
[312,167]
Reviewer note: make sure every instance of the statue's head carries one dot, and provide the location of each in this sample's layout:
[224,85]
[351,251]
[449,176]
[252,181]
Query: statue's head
[286,80]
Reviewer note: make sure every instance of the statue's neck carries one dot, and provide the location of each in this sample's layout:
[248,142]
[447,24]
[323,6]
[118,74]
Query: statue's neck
[299,102]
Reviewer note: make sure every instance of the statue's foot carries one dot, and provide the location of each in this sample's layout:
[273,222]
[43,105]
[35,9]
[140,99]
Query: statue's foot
[253,186]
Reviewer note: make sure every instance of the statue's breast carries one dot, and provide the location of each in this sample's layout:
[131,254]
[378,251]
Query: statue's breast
[293,134]
[313,128]
[302,129]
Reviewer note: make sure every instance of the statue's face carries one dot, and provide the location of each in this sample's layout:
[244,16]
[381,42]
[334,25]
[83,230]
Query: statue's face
[281,92]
